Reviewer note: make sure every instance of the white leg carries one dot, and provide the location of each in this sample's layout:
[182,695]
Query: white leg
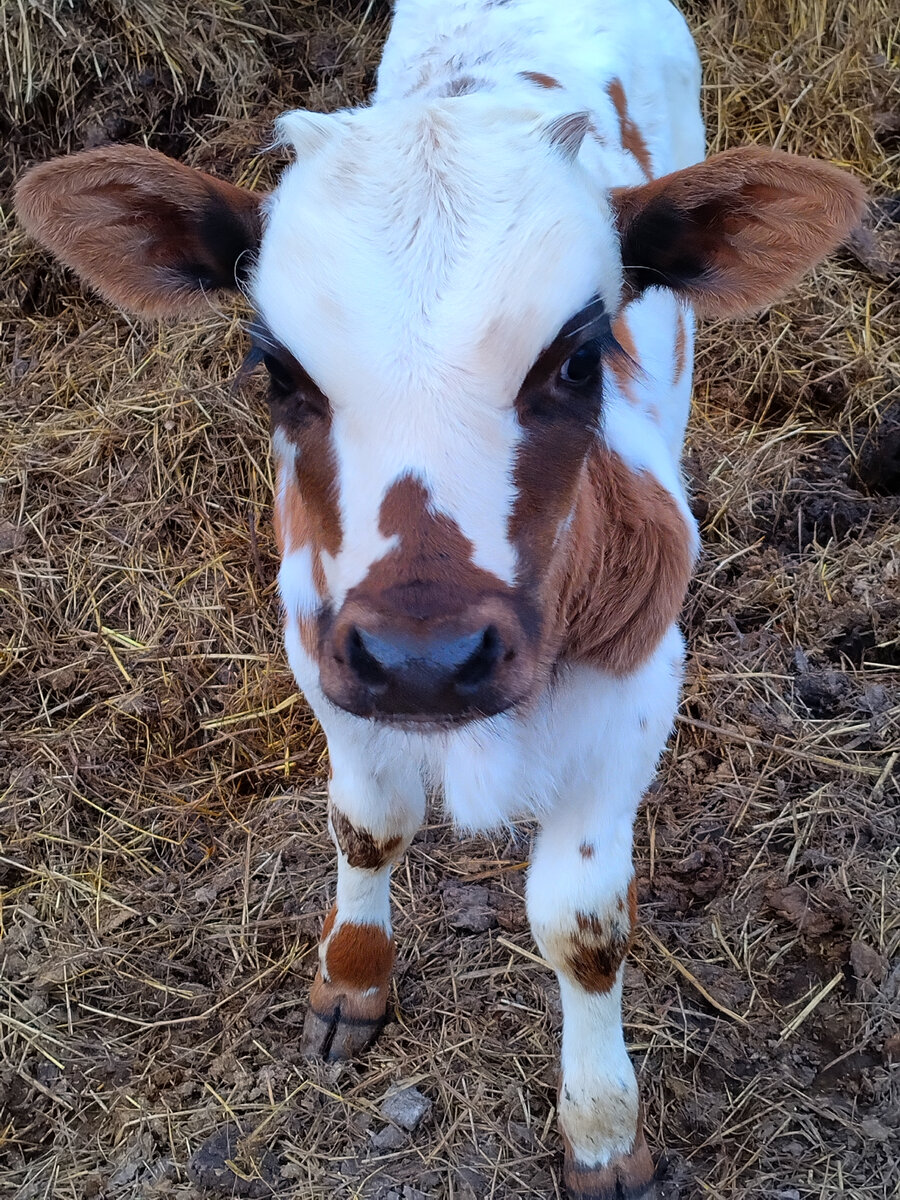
[375,806]
[581,904]
[581,901]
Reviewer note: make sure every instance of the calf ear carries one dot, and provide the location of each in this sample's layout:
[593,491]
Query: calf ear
[150,234]
[735,232]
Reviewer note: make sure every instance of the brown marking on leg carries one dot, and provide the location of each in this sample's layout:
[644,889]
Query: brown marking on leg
[632,138]
[359,957]
[348,1000]
[591,953]
[680,348]
[586,850]
[594,951]
[359,847]
[542,80]
[629,1177]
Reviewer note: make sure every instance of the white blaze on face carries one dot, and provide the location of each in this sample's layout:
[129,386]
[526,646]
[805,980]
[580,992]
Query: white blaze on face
[415,260]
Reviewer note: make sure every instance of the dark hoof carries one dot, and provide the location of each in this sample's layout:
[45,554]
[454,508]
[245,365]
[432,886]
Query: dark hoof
[630,1177]
[339,1025]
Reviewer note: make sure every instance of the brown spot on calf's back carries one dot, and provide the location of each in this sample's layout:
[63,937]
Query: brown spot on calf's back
[359,956]
[632,138]
[542,80]
[586,850]
[359,847]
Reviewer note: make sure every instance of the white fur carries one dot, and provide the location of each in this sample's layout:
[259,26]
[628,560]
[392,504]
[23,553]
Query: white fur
[417,256]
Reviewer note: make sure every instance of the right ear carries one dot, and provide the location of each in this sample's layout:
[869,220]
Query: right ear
[150,234]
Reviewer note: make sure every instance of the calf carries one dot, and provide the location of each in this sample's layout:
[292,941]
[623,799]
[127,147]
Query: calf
[475,300]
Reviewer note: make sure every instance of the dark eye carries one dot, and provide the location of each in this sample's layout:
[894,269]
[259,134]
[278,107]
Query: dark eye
[582,368]
[280,374]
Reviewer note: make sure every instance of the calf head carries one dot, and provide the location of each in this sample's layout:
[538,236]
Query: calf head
[434,286]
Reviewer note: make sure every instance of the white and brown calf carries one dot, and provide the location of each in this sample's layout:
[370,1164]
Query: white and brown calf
[475,300]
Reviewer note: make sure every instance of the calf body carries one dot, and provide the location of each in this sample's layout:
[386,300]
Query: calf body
[475,301]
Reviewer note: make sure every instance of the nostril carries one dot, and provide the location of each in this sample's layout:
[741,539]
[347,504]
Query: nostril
[479,666]
[364,664]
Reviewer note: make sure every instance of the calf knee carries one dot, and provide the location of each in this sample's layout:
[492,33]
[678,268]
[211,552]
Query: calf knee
[587,947]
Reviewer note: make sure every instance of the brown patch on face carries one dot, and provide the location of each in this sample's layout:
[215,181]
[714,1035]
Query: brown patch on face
[586,850]
[359,957]
[306,514]
[632,138]
[150,234]
[629,566]
[329,923]
[359,847]
[680,348]
[427,587]
[542,80]
[733,233]
[604,549]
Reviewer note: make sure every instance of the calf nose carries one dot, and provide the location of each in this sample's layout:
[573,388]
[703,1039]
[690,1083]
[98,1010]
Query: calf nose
[436,675]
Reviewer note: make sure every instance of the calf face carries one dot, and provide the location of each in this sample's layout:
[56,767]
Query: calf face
[434,287]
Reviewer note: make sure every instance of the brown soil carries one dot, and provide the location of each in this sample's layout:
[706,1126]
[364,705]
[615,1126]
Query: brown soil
[165,866]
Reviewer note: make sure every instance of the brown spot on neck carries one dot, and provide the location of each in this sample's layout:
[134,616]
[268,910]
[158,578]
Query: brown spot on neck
[632,138]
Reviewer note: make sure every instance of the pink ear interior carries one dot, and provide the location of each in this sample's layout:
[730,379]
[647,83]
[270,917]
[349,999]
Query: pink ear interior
[735,232]
[150,234]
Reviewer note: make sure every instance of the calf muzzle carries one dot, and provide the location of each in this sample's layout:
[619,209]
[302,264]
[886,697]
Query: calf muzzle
[425,672]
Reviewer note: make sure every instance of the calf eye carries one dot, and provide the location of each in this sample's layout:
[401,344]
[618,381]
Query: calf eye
[582,367]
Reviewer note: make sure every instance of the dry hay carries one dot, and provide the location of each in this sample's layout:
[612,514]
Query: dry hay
[164,861]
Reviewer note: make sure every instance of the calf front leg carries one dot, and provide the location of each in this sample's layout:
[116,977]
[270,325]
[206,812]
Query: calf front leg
[582,908]
[372,816]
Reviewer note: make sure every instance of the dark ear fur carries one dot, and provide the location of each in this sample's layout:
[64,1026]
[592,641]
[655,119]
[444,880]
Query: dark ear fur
[735,232]
[150,234]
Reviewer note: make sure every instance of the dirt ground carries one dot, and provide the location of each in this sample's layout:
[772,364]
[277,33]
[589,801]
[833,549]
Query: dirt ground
[164,863]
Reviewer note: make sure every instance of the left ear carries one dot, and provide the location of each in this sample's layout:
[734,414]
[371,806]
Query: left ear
[733,233]
[150,234]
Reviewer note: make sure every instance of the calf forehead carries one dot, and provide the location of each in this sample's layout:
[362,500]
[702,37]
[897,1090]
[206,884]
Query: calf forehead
[416,271]
[419,241]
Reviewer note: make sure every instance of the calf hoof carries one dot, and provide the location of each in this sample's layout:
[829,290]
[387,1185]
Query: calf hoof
[630,1177]
[340,1024]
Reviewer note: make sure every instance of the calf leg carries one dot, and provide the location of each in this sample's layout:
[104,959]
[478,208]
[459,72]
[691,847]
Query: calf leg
[582,909]
[373,816]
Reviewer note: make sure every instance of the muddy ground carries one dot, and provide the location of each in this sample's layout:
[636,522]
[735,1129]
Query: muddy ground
[164,866]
